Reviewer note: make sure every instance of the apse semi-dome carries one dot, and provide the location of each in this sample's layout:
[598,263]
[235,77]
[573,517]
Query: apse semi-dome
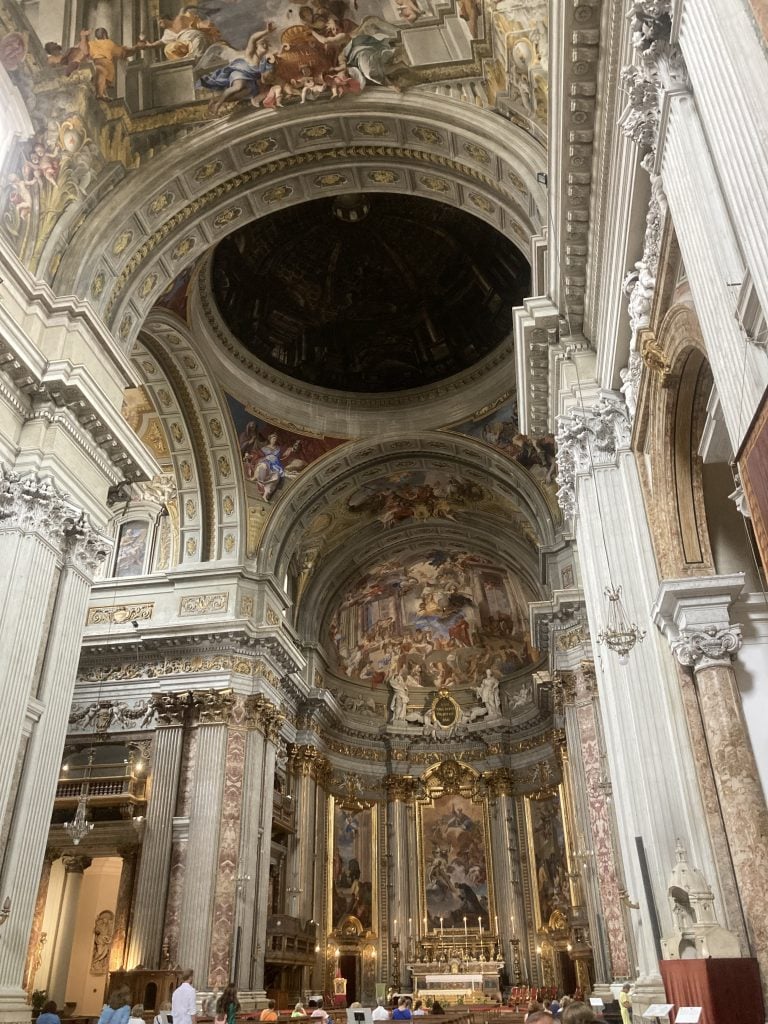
[369,294]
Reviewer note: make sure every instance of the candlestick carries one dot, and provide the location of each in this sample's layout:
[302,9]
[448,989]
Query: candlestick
[410,930]
[497,924]
[441,931]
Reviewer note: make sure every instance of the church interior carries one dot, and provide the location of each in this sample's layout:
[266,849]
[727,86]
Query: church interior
[384,503]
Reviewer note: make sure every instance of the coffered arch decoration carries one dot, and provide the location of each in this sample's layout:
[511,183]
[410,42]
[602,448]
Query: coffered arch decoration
[326,509]
[157,220]
[672,410]
[218,511]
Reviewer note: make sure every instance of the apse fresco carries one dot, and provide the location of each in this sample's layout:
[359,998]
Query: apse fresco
[351,869]
[550,864]
[455,866]
[272,457]
[444,618]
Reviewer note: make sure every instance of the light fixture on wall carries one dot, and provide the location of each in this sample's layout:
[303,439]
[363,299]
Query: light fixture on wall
[79,827]
[620,635]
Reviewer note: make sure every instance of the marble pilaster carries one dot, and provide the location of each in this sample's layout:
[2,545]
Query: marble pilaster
[399,794]
[123,908]
[301,855]
[81,555]
[655,789]
[212,708]
[74,868]
[146,938]
[509,909]
[694,615]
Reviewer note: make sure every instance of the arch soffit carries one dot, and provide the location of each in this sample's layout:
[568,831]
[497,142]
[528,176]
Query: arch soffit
[329,482]
[205,460]
[159,219]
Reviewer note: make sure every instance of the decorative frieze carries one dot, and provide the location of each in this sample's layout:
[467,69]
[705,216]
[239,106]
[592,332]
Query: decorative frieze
[708,647]
[104,715]
[586,438]
[118,615]
[204,604]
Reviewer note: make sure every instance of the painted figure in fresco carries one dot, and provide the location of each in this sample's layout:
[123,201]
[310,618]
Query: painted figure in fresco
[242,77]
[268,465]
[70,60]
[104,52]
[185,36]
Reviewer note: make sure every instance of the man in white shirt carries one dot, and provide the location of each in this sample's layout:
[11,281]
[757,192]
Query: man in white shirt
[184,1001]
[381,1012]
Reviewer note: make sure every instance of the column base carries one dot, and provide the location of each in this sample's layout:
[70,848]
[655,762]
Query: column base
[602,990]
[14,1008]
[646,991]
[253,1000]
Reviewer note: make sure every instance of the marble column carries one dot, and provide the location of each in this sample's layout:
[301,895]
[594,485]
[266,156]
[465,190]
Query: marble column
[252,880]
[123,908]
[654,782]
[302,850]
[146,937]
[212,709]
[509,910]
[36,939]
[399,794]
[694,615]
[74,868]
[82,552]
[595,852]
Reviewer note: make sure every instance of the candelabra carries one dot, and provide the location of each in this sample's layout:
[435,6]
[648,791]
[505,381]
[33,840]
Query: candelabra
[396,964]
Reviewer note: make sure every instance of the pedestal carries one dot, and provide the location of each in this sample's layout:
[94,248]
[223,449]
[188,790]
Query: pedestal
[727,990]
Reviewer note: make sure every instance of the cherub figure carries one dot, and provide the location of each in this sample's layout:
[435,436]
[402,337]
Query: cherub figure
[308,84]
[340,79]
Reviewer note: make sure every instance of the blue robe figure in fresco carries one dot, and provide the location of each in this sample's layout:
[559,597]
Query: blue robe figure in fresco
[242,77]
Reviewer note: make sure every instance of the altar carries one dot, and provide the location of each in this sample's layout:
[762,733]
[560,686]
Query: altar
[476,981]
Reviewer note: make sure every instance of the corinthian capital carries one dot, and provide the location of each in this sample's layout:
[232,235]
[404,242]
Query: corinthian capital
[587,437]
[262,714]
[707,648]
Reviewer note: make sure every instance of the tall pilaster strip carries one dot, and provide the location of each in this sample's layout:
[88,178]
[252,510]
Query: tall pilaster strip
[25,850]
[262,877]
[36,935]
[146,938]
[200,870]
[74,868]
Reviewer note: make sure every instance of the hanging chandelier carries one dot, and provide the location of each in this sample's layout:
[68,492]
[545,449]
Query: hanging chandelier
[79,827]
[620,635]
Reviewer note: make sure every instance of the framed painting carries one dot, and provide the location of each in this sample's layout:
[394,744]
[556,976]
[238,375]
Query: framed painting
[352,906]
[455,888]
[547,847]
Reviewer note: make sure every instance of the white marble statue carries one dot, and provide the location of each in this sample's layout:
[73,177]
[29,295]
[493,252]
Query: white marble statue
[488,693]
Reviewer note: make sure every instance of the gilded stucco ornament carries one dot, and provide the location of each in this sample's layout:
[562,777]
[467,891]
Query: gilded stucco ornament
[711,647]
[587,437]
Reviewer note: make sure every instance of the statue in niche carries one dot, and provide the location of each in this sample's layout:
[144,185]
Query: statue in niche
[488,694]
[103,931]
[399,703]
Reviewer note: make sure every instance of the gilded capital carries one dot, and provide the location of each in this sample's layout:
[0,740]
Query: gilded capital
[262,714]
[498,782]
[302,758]
[170,708]
[75,864]
[212,707]
[400,787]
[710,647]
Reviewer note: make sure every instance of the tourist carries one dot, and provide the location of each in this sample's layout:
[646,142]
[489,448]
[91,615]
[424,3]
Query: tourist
[48,1014]
[625,1002]
[418,1009]
[316,1010]
[533,1007]
[137,1014]
[579,1013]
[163,1016]
[437,1009]
[227,1006]
[269,1012]
[540,1017]
[554,1008]
[401,1012]
[380,1012]
[184,1000]
[118,1008]
[298,1010]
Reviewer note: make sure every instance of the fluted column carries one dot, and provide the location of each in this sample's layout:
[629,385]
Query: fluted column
[694,614]
[301,855]
[74,868]
[252,881]
[146,938]
[123,909]
[212,708]
[82,553]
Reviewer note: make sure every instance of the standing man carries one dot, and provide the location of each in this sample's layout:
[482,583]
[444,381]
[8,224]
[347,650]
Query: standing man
[184,1001]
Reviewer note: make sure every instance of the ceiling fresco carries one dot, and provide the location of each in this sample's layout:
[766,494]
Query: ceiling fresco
[119,84]
[440,620]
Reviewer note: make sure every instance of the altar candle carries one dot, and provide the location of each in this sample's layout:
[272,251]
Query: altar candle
[426,926]
[497,924]
[410,929]
[441,929]
[394,927]
[465,931]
